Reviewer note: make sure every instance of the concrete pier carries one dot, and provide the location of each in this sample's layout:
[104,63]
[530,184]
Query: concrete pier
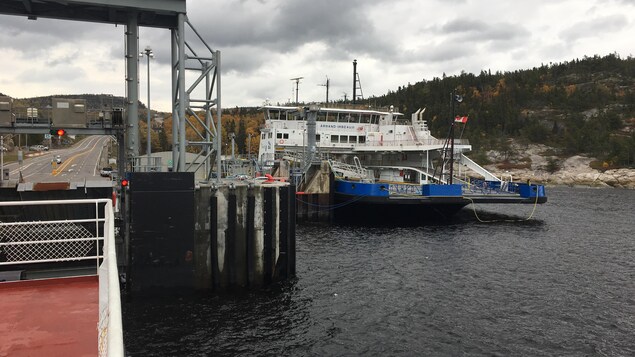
[244,235]
[315,202]
[238,234]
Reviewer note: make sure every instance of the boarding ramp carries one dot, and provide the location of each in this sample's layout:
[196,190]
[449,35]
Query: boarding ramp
[477,168]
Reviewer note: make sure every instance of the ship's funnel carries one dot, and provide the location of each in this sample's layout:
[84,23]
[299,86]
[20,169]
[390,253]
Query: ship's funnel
[415,115]
[421,113]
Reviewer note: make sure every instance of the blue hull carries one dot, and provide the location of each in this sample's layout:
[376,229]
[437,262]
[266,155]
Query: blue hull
[385,202]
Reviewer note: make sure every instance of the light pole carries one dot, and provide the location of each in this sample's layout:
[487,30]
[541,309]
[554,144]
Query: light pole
[149,54]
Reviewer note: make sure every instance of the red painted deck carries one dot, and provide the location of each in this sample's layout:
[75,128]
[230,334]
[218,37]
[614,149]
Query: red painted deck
[54,317]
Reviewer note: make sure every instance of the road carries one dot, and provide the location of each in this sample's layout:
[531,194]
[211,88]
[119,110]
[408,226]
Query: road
[80,162]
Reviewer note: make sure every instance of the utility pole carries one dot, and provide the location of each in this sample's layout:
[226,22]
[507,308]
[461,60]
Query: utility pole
[327,89]
[297,83]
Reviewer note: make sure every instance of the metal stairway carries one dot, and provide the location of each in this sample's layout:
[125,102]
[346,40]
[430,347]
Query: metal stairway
[477,168]
[356,171]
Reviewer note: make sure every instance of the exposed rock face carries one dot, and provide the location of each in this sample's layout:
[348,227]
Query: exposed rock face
[574,171]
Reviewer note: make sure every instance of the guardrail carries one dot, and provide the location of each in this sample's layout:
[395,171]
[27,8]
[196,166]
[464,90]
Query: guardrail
[491,187]
[33,242]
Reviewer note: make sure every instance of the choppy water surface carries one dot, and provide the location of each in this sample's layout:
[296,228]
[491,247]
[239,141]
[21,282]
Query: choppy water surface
[562,283]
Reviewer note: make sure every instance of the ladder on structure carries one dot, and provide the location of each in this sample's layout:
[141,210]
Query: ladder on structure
[358,87]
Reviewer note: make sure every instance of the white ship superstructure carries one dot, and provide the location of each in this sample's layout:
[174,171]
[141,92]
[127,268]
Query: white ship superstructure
[395,148]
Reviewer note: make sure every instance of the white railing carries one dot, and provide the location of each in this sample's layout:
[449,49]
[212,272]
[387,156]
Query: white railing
[28,242]
[408,143]
[356,171]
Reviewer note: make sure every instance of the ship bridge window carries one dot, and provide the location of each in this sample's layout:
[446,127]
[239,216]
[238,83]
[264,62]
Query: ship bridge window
[348,118]
[317,137]
[321,116]
[365,118]
[285,135]
[274,114]
[278,135]
[361,139]
[270,135]
[343,139]
[264,136]
[352,139]
[335,138]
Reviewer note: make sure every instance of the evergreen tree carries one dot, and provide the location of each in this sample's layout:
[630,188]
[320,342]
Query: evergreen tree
[241,136]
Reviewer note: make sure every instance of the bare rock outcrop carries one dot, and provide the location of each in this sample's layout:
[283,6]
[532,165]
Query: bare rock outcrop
[533,163]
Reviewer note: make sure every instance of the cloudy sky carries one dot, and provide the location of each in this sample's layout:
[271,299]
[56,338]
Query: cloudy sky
[265,43]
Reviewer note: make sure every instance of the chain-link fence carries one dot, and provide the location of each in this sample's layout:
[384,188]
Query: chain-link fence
[25,242]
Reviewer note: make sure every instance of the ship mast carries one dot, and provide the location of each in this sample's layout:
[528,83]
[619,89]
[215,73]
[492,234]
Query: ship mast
[448,147]
[297,83]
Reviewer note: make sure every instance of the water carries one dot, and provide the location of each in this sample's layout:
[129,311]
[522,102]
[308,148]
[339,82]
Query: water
[561,284]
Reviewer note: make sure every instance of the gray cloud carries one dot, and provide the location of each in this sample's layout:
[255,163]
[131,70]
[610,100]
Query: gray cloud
[595,27]
[64,75]
[286,26]
[447,51]
[266,42]
[479,30]
[36,38]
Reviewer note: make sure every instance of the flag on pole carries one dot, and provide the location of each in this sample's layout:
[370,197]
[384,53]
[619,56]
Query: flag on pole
[459,119]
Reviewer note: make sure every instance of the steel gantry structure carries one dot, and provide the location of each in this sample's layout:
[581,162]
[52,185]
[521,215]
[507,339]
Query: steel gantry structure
[186,57]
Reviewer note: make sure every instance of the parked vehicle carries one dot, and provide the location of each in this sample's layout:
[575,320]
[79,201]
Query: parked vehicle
[58,159]
[105,172]
[38,148]
[240,177]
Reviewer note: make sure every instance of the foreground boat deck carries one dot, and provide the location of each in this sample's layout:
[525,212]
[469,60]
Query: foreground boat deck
[53,317]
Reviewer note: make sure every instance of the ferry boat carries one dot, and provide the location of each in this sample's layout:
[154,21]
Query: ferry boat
[384,164]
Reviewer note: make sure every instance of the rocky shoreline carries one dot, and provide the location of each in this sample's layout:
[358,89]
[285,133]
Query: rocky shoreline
[574,171]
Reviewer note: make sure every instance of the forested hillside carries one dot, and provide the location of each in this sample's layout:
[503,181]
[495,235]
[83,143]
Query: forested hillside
[94,102]
[583,106]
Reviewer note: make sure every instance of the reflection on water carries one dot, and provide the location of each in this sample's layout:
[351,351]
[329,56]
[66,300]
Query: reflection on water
[559,284]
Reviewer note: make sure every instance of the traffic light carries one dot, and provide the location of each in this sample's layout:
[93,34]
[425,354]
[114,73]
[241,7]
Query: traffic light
[58,132]
[124,183]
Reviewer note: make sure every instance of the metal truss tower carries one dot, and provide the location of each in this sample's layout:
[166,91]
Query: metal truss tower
[198,114]
[195,113]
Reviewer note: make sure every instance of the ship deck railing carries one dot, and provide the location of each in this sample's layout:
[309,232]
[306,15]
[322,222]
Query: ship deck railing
[47,257]
[471,187]
[409,143]
[477,186]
